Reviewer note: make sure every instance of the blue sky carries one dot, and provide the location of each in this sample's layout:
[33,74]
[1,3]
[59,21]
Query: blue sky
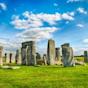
[65,21]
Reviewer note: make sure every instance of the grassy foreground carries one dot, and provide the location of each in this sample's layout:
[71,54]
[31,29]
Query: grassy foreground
[45,77]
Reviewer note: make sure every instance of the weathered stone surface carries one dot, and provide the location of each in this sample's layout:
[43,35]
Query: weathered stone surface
[19,61]
[17,56]
[57,56]
[45,59]
[51,52]
[85,56]
[10,58]
[5,57]
[23,55]
[1,60]
[38,56]
[67,55]
[10,67]
[29,53]
[79,63]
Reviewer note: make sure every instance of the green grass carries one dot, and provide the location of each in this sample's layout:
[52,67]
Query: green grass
[45,77]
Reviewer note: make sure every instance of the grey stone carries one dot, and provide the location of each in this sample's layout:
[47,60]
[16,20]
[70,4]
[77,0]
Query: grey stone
[10,67]
[17,56]
[85,56]
[51,52]
[57,54]
[5,57]
[10,58]
[29,53]
[67,55]
[79,63]
[38,56]
[23,55]
[45,59]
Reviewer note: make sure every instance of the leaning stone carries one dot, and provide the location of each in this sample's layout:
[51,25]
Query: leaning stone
[67,55]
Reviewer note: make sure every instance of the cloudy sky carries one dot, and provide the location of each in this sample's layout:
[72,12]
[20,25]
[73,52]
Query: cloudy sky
[65,21]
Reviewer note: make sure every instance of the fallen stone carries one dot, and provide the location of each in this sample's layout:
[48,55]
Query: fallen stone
[79,63]
[10,67]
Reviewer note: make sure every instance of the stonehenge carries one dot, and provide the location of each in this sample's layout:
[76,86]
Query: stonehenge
[28,56]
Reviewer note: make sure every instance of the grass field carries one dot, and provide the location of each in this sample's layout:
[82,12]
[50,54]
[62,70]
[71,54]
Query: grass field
[45,77]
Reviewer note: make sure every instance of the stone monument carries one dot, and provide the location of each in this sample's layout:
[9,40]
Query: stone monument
[85,56]
[67,55]
[28,53]
[51,52]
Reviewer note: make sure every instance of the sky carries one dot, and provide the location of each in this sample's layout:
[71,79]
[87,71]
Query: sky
[65,21]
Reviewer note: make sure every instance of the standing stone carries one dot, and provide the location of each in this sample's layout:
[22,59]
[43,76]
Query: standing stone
[1,60]
[23,55]
[57,56]
[31,53]
[19,61]
[67,55]
[38,56]
[28,53]
[17,56]
[51,52]
[10,58]
[39,59]
[45,59]
[85,56]
[5,57]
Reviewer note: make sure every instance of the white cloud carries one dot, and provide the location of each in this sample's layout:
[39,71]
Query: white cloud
[85,41]
[9,44]
[80,25]
[82,10]
[71,1]
[33,25]
[55,4]
[37,20]
[25,24]
[71,13]
[3,6]
[37,34]
[67,16]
